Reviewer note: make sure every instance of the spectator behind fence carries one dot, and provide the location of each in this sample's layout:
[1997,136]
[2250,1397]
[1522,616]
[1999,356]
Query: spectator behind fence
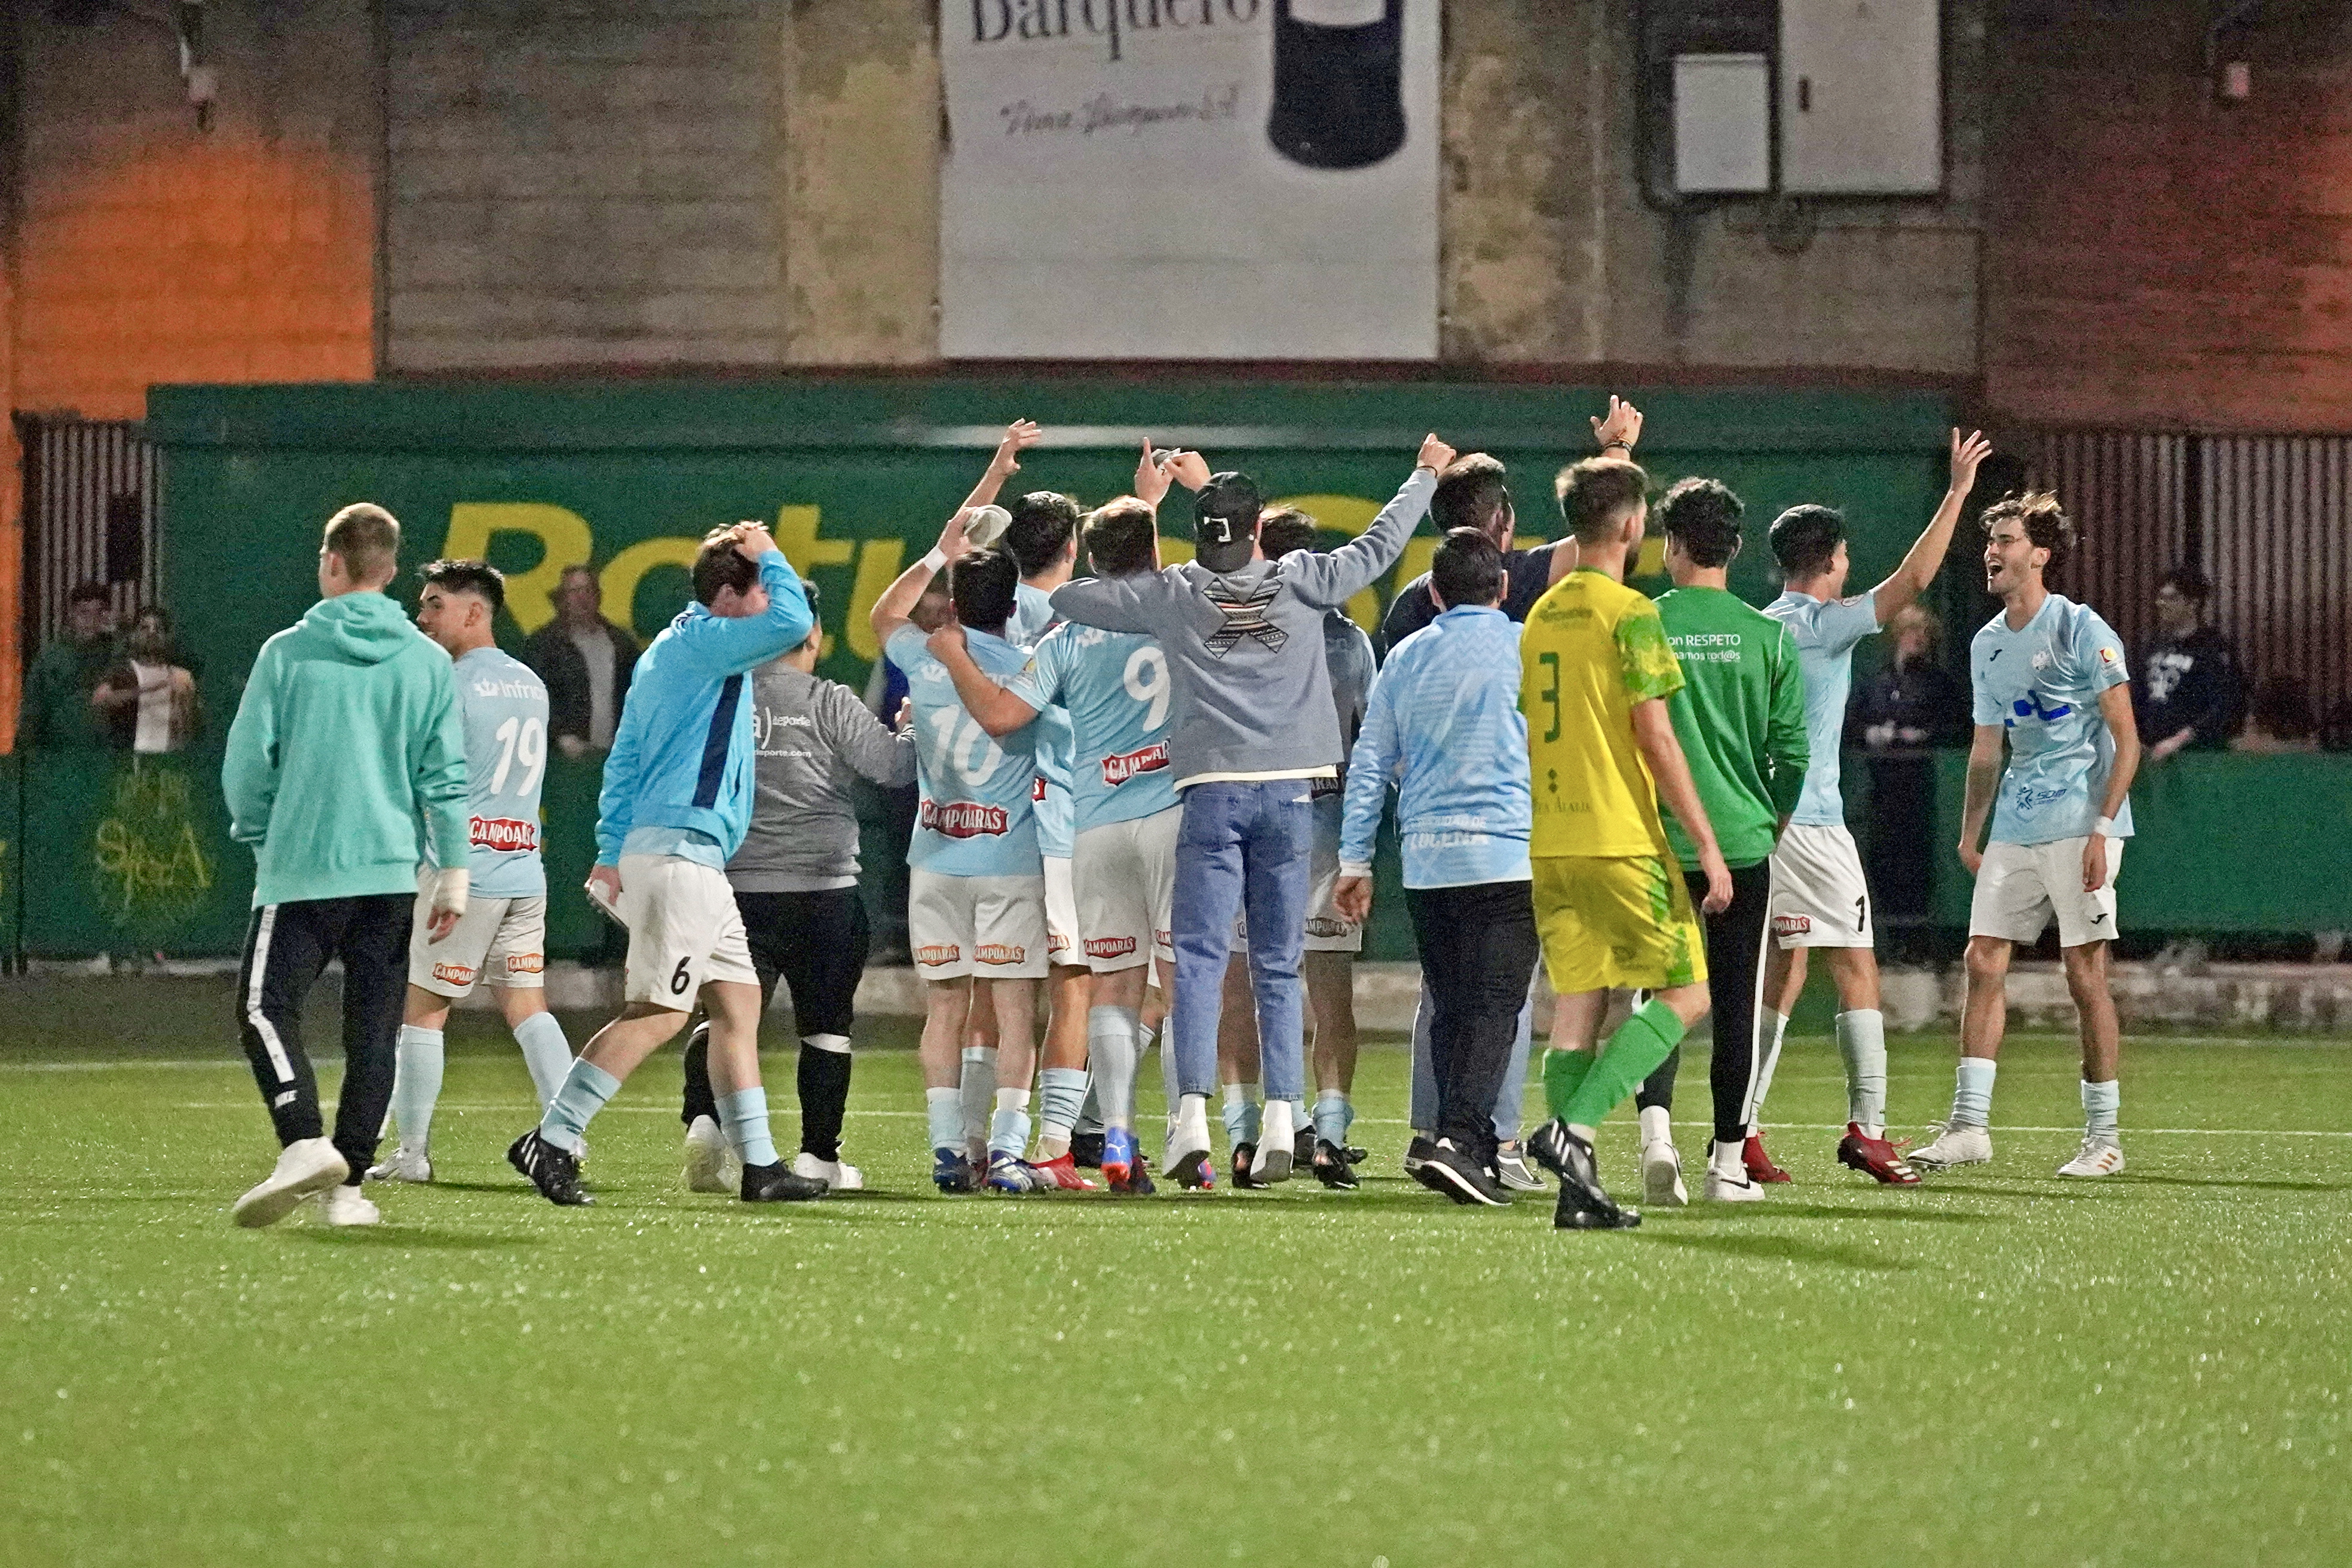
[2282,720]
[586,661]
[2188,691]
[1911,705]
[58,715]
[147,700]
[1915,700]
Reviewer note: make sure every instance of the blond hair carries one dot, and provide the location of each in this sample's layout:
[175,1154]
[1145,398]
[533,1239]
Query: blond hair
[366,538]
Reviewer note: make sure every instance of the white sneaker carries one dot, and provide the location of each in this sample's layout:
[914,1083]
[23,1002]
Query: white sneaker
[1953,1146]
[838,1174]
[402,1165]
[1662,1177]
[1723,1186]
[1511,1170]
[711,1164]
[348,1205]
[306,1166]
[2098,1157]
[1277,1142]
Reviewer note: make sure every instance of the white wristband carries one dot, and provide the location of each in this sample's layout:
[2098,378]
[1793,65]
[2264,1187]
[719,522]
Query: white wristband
[2105,827]
[935,560]
[1347,869]
[449,891]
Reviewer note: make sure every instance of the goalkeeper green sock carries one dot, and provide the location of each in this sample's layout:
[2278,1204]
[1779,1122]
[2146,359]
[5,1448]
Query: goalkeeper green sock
[1632,1054]
[1563,1075]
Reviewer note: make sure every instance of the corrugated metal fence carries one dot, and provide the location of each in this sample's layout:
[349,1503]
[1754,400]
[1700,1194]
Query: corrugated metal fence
[90,517]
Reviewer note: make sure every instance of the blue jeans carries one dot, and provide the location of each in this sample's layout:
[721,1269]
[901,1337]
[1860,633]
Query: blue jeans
[1242,846]
[1513,1093]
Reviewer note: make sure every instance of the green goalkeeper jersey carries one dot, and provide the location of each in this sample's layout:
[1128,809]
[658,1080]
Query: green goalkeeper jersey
[1740,717]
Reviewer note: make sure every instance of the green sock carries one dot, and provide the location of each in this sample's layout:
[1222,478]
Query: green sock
[1631,1054]
[1563,1075]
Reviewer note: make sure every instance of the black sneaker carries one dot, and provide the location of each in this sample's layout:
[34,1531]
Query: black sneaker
[776,1184]
[1416,1152]
[1085,1149]
[554,1172]
[1302,1147]
[1458,1174]
[1584,1204]
[1243,1155]
[1356,1156]
[1331,1167]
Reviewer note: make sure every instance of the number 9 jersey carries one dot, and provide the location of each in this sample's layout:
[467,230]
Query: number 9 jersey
[1115,686]
[505,711]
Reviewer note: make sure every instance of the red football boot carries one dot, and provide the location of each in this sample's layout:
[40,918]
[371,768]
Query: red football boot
[1877,1158]
[1063,1174]
[1759,1164]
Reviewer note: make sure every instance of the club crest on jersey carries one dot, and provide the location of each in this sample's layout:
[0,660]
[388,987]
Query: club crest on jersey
[1110,946]
[525,962]
[1000,952]
[453,973]
[504,834]
[966,819]
[938,953]
[1151,759]
[1792,925]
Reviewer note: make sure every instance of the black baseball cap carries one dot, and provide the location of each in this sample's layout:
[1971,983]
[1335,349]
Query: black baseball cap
[1225,511]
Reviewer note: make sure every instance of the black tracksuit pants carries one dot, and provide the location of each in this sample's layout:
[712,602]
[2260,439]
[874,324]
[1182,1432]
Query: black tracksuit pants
[285,949]
[816,943]
[1478,946]
[1735,952]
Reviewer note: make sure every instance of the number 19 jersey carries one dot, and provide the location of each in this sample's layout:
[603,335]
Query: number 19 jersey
[977,818]
[1115,686]
[504,710]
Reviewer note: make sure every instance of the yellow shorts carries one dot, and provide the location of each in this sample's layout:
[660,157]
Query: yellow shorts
[1616,923]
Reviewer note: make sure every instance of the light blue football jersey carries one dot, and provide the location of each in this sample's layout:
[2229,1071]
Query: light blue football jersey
[1825,632]
[1114,687]
[2042,685]
[1032,617]
[977,818]
[504,705]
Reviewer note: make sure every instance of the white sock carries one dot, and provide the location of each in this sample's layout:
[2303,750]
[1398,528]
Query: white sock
[545,1052]
[1973,1092]
[1862,1041]
[1657,1124]
[978,1087]
[1731,1159]
[1776,1026]
[416,1084]
[1112,1052]
[2101,1102]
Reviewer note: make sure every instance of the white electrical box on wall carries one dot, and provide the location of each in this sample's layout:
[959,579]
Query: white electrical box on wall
[1723,124]
[1862,98]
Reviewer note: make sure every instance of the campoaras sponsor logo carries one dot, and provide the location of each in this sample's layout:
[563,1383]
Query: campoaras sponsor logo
[1110,946]
[1151,759]
[966,819]
[525,962]
[1056,943]
[938,952]
[1000,952]
[1792,925]
[452,975]
[504,833]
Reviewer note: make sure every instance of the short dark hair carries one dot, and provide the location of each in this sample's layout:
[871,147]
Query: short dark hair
[1805,540]
[90,594]
[479,578]
[1596,495]
[1043,523]
[1119,536]
[1704,515]
[2189,583]
[1469,488]
[2045,523]
[981,585]
[1285,530]
[1467,568]
[366,539]
[718,564]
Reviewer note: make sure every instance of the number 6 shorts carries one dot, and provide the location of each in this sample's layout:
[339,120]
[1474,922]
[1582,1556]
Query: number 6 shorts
[683,930]
[993,927]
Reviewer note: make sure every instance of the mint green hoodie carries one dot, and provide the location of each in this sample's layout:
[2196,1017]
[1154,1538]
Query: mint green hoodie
[349,729]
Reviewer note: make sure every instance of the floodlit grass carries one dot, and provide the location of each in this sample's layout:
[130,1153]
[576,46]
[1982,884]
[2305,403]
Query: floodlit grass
[1999,1368]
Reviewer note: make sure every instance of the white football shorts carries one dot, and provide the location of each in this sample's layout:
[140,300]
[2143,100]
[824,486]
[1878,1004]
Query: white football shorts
[1327,930]
[1819,897]
[683,930]
[502,941]
[992,927]
[1062,925]
[2020,885]
[1127,888]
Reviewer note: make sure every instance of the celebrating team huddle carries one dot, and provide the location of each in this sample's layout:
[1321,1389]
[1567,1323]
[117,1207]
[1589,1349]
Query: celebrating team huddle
[1130,775]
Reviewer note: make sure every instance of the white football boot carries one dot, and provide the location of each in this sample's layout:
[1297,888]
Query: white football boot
[838,1174]
[1662,1176]
[348,1207]
[2099,1156]
[305,1166]
[711,1164]
[402,1165]
[1952,1146]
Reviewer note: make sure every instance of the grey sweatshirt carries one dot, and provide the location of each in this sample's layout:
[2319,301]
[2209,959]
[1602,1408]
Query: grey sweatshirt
[814,737]
[1245,648]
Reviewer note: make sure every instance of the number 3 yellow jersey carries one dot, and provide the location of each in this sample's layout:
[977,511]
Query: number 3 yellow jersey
[1592,649]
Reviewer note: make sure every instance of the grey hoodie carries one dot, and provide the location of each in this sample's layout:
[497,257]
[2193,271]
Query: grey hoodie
[813,737]
[1245,648]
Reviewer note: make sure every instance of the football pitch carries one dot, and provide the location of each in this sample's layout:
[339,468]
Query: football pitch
[2000,1368]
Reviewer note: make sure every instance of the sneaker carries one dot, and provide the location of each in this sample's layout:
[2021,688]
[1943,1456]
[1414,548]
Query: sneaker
[1012,1174]
[1188,1157]
[1062,1174]
[838,1175]
[1875,1157]
[1122,1163]
[1356,1156]
[1723,1186]
[2097,1157]
[1759,1164]
[951,1170]
[1276,1148]
[402,1165]
[1244,1155]
[304,1166]
[1329,1164]
[711,1164]
[1662,1176]
[1419,1150]
[1457,1175]
[778,1184]
[1511,1170]
[554,1172]
[1584,1204]
[347,1205]
[1953,1146]
[1086,1149]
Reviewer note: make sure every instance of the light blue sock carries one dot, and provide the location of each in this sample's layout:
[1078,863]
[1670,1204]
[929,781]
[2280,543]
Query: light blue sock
[2102,1102]
[416,1084]
[1008,1130]
[1973,1092]
[1111,1054]
[1061,1092]
[1332,1114]
[978,1087]
[545,1052]
[944,1108]
[744,1115]
[585,1090]
[1243,1114]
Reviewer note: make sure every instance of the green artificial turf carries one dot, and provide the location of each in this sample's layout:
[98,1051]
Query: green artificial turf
[1999,1368]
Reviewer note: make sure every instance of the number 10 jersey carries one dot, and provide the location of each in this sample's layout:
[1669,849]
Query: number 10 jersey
[505,708]
[1115,688]
[978,814]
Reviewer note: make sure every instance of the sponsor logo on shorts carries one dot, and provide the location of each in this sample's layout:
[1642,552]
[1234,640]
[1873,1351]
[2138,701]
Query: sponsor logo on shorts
[504,834]
[1321,925]
[1163,938]
[966,819]
[1056,943]
[1110,946]
[1792,925]
[1000,952]
[938,952]
[452,975]
[1151,759]
[525,962]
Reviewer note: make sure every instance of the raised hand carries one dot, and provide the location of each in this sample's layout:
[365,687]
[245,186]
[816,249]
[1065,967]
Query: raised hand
[1435,455]
[1152,476]
[1966,454]
[1187,469]
[1019,436]
[1621,427]
[953,545]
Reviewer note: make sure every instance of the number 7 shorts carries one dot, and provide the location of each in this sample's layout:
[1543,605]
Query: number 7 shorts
[683,930]
[1818,897]
[993,927]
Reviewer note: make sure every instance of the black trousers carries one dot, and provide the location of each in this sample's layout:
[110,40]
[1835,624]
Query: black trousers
[285,949]
[1478,945]
[816,943]
[1735,954]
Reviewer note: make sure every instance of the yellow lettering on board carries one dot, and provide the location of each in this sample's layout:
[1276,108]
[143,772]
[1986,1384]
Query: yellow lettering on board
[1349,515]
[625,571]
[796,529]
[877,568]
[563,538]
